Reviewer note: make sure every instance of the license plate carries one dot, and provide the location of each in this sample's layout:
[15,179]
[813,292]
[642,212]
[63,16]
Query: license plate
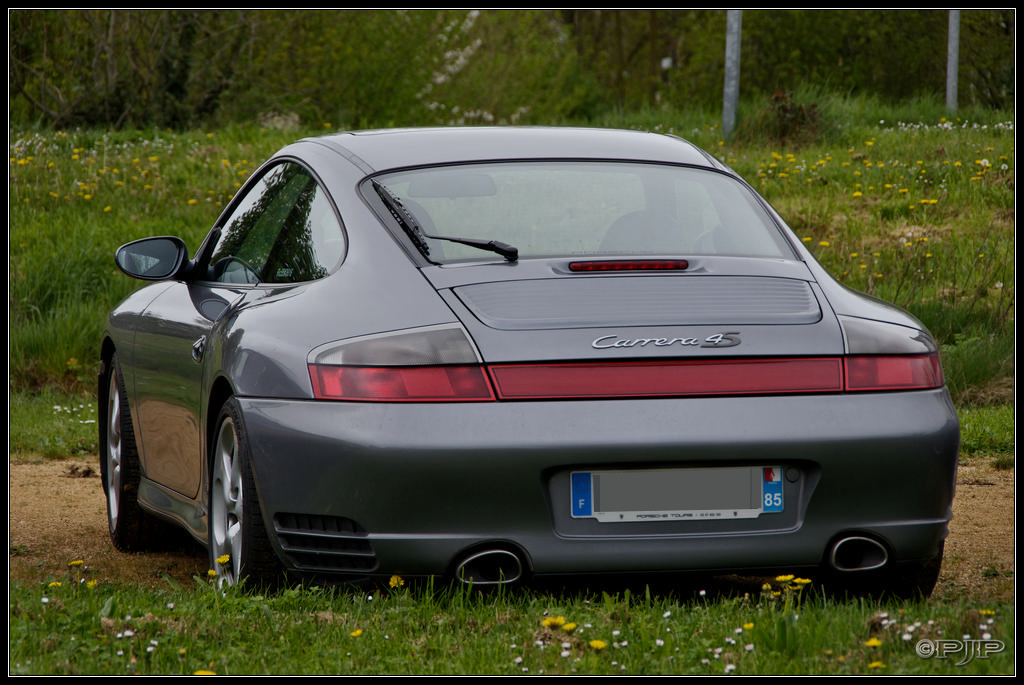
[676,494]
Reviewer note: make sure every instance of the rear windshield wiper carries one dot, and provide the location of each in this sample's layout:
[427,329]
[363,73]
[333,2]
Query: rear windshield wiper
[412,227]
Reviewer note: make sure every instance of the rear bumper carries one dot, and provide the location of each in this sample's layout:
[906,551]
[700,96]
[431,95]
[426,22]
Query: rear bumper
[363,488]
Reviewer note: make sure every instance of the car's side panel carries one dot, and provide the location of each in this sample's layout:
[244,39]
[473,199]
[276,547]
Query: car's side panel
[171,336]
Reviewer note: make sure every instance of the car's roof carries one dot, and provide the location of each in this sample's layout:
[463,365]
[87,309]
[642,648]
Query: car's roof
[377,150]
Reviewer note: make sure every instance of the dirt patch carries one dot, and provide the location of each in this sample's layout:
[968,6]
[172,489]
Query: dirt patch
[57,515]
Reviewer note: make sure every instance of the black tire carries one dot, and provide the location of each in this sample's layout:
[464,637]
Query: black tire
[131,529]
[917,580]
[240,549]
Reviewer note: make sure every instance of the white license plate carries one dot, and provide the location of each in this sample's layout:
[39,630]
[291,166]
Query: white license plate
[676,494]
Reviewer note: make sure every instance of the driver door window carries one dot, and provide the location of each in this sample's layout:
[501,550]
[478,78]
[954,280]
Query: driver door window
[283,231]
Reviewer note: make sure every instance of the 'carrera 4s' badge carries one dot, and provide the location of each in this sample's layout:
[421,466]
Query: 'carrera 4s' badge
[607,342]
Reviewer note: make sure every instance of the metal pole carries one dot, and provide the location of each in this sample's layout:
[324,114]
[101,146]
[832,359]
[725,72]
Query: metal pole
[952,59]
[734,22]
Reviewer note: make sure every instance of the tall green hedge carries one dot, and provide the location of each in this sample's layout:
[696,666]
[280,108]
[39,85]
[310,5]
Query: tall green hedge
[180,68]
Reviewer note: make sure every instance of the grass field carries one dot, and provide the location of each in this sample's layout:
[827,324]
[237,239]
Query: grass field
[906,205]
[78,625]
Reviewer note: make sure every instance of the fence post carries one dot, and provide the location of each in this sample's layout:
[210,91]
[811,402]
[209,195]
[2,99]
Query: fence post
[734,21]
[952,59]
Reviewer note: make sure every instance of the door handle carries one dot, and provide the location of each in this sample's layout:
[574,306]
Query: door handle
[198,348]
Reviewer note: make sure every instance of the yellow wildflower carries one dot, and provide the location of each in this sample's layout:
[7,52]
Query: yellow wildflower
[223,559]
[569,627]
[553,621]
[598,644]
[873,642]
[396,581]
[357,632]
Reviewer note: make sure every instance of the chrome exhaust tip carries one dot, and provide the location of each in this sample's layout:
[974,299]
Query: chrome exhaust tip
[490,567]
[857,553]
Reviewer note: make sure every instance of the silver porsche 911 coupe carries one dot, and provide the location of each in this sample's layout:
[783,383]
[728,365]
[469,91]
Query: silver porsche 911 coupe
[503,354]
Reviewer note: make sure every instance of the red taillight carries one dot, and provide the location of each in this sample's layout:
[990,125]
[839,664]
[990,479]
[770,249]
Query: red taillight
[400,383]
[596,380]
[893,373]
[667,379]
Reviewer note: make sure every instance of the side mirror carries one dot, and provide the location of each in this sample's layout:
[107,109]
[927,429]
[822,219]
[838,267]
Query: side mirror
[153,259]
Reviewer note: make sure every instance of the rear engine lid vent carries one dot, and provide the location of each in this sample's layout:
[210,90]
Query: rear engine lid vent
[641,301]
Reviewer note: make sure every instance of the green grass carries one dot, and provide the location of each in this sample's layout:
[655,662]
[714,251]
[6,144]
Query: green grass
[989,433]
[51,424]
[78,625]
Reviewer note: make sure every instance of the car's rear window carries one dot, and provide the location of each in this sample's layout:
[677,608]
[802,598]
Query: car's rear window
[586,208]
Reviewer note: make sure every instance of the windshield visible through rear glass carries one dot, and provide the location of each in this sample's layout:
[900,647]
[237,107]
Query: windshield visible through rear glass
[547,209]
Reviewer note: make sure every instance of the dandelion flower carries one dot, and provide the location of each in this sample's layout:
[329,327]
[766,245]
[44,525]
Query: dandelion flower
[553,621]
[396,581]
[873,642]
[569,627]
[357,632]
[223,559]
[598,644]
[76,562]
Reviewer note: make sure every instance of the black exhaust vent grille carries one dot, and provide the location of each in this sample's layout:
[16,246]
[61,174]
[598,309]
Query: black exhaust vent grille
[325,543]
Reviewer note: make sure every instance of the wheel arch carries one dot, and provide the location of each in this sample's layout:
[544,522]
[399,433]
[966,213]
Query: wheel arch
[107,350]
[220,392]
